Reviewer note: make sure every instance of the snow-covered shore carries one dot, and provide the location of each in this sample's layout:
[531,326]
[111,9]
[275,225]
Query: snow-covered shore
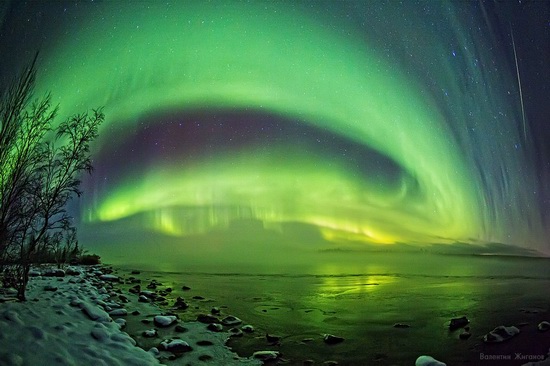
[68,320]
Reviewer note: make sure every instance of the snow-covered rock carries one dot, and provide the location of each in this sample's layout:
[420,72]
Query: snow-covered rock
[265,355]
[109,277]
[164,320]
[428,361]
[231,320]
[34,273]
[332,339]
[543,326]
[215,327]
[53,330]
[118,312]
[150,333]
[247,328]
[71,327]
[94,312]
[54,272]
[175,346]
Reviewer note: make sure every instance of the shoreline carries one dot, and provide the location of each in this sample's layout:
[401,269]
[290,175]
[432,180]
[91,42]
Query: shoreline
[123,320]
[83,316]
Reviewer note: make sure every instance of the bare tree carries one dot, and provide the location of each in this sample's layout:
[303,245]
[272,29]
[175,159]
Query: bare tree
[40,167]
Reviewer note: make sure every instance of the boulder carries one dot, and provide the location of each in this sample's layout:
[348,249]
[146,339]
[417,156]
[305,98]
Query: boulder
[54,272]
[109,277]
[332,339]
[175,346]
[164,321]
[543,326]
[500,334]
[207,319]
[428,361]
[215,327]
[456,323]
[231,320]
[150,333]
[118,312]
[94,312]
[235,332]
[265,355]
[247,328]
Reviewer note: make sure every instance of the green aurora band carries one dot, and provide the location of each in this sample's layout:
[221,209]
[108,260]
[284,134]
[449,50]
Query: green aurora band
[141,59]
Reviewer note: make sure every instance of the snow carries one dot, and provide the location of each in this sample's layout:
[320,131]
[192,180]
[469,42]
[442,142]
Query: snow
[428,361]
[71,326]
[164,320]
[64,327]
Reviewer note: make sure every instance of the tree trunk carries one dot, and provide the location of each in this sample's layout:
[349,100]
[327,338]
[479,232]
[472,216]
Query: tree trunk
[24,280]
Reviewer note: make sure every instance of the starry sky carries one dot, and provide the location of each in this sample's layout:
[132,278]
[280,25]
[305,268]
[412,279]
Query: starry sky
[359,122]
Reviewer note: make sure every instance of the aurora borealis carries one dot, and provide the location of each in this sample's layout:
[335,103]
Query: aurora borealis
[375,122]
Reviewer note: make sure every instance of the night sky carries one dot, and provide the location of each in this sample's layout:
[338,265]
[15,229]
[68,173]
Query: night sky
[368,121]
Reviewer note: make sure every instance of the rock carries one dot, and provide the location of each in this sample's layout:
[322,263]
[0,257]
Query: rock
[308,362]
[118,312]
[401,325]
[180,304]
[543,326]
[135,289]
[205,358]
[500,334]
[185,288]
[465,335]
[215,327]
[10,291]
[135,272]
[50,288]
[428,361]
[247,328]
[272,338]
[204,343]
[143,298]
[34,273]
[123,299]
[207,319]
[94,312]
[72,271]
[215,311]
[265,355]
[175,346]
[121,323]
[330,363]
[231,320]
[164,321]
[456,323]
[54,272]
[109,277]
[100,334]
[151,333]
[135,312]
[123,337]
[149,294]
[235,332]
[180,329]
[332,339]
[307,340]
[198,297]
